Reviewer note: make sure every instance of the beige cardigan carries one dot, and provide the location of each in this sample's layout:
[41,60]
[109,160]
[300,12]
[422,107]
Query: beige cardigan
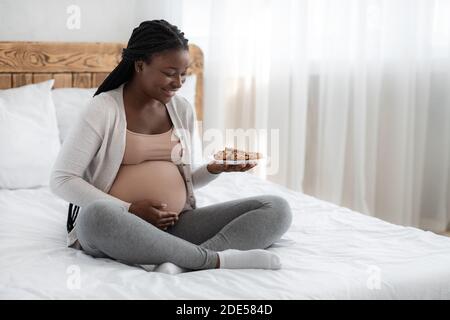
[92,152]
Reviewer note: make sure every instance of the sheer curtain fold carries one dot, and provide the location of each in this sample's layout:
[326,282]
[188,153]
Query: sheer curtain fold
[357,89]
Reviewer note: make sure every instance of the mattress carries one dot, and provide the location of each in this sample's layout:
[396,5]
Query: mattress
[329,252]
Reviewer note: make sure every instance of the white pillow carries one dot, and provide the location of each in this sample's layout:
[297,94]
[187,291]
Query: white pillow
[69,102]
[29,137]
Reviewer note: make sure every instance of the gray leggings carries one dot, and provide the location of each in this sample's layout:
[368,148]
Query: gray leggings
[107,230]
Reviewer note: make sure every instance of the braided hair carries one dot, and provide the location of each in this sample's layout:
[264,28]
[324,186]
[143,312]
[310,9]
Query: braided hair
[150,37]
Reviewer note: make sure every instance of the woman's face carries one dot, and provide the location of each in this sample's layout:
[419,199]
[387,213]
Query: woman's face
[164,75]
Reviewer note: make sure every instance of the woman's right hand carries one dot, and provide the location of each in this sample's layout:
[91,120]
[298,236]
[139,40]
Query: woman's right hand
[154,213]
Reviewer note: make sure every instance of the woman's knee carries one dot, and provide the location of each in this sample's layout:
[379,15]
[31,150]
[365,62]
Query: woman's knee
[94,217]
[281,210]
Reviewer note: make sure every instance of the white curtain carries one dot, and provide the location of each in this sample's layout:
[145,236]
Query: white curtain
[358,90]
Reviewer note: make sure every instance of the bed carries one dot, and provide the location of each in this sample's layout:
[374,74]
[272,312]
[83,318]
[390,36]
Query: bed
[330,252]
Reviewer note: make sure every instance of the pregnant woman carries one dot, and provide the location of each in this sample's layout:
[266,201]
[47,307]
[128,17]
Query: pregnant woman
[126,168]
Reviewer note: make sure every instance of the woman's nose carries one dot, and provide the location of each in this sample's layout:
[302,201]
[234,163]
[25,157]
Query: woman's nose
[178,82]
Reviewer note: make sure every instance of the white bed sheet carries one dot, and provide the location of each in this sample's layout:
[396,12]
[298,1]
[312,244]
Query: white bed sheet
[329,253]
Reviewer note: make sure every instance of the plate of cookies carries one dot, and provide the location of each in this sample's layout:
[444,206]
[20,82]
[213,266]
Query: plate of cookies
[235,156]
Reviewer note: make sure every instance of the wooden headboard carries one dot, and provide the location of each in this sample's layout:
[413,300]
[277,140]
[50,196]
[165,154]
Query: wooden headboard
[74,64]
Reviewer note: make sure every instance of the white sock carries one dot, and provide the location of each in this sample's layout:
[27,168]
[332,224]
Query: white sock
[169,268]
[249,259]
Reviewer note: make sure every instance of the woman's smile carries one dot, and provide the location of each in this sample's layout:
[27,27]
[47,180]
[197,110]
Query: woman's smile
[169,93]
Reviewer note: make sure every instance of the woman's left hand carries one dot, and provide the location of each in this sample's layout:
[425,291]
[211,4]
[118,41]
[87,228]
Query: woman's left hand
[225,167]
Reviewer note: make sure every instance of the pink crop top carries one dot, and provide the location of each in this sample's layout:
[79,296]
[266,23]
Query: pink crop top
[147,170]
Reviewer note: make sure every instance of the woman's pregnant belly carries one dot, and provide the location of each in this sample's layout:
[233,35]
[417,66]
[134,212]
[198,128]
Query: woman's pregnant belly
[159,181]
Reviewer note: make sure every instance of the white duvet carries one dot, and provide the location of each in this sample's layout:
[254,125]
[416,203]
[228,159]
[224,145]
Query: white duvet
[329,253]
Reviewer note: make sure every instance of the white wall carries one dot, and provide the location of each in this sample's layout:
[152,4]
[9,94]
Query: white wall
[101,20]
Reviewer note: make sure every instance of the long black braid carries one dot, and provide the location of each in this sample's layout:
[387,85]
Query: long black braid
[148,38]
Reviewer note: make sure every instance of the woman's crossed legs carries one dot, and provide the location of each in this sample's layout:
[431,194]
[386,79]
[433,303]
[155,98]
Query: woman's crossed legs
[105,229]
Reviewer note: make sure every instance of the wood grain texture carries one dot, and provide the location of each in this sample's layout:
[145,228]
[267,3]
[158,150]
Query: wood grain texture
[58,57]
[40,77]
[98,77]
[196,68]
[82,80]
[5,80]
[75,64]
[62,80]
[21,79]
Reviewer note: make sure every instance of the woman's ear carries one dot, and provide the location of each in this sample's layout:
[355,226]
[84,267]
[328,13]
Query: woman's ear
[138,65]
